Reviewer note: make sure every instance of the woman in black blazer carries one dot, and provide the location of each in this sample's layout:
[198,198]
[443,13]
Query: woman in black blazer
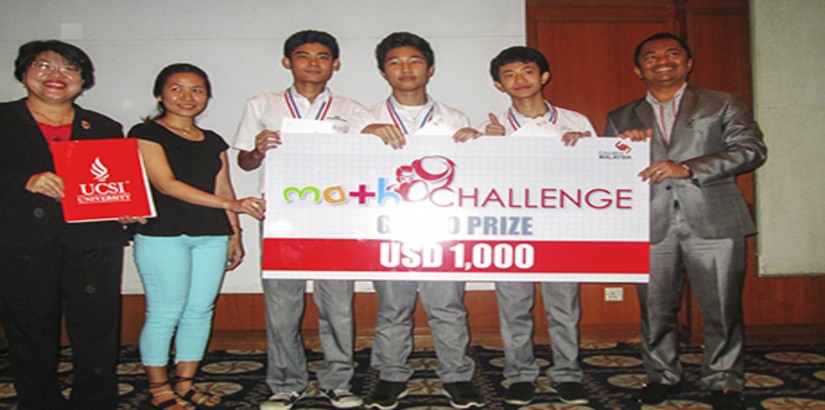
[48,267]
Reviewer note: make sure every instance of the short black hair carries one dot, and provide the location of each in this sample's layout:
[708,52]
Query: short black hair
[28,53]
[170,70]
[518,54]
[311,37]
[403,39]
[660,36]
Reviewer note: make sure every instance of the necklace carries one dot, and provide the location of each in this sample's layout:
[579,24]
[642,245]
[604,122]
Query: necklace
[66,119]
[190,134]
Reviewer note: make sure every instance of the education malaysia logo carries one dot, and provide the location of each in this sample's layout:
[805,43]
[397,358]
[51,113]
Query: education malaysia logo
[623,151]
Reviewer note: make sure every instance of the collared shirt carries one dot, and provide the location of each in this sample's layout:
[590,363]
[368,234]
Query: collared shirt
[666,112]
[411,119]
[563,119]
[266,111]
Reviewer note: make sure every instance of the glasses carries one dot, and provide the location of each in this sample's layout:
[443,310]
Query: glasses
[44,67]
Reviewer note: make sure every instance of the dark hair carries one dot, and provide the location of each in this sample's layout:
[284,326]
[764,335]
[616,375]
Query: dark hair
[403,39]
[171,70]
[75,56]
[660,36]
[518,54]
[311,37]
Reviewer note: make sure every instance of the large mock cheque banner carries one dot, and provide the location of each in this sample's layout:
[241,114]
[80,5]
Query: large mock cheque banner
[492,209]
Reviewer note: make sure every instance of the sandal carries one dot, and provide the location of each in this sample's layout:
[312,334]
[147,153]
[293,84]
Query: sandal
[174,402]
[197,396]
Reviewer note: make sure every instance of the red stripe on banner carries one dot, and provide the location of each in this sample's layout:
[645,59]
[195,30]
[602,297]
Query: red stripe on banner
[455,256]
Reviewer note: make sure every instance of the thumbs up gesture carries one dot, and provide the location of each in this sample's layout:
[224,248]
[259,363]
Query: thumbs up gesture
[494,127]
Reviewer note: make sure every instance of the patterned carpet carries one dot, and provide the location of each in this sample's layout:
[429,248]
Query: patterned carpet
[786,377]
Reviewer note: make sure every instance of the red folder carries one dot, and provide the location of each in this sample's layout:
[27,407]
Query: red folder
[104,180]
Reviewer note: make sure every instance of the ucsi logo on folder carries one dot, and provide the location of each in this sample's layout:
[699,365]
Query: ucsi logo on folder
[104,180]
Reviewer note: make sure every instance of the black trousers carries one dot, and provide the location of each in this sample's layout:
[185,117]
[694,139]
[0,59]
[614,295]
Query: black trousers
[38,286]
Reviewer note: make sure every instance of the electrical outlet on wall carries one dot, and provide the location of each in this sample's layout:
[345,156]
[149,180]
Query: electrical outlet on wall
[613,294]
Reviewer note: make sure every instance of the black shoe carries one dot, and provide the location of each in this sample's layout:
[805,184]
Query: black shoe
[462,395]
[386,394]
[571,392]
[520,394]
[655,393]
[4,358]
[728,400]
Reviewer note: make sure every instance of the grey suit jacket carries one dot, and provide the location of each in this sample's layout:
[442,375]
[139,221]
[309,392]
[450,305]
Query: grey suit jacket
[715,135]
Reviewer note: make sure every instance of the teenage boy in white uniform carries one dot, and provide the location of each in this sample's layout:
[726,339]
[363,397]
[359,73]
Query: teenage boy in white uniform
[522,73]
[312,57]
[406,62]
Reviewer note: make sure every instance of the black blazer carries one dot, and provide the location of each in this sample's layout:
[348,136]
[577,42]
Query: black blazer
[28,219]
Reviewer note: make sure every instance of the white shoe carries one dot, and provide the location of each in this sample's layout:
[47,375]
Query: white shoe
[343,398]
[282,400]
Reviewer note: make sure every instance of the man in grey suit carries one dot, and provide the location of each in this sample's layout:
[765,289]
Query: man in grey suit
[700,140]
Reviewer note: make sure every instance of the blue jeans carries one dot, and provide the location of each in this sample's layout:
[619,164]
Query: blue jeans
[181,278]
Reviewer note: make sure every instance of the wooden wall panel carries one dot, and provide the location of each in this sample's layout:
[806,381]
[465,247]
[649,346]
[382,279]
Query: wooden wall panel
[724,60]
[586,81]
[590,50]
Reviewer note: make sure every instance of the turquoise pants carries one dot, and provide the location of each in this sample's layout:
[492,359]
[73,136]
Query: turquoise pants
[181,278]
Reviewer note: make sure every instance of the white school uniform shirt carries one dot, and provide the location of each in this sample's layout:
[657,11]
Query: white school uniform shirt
[555,123]
[268,110]
[433,118]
